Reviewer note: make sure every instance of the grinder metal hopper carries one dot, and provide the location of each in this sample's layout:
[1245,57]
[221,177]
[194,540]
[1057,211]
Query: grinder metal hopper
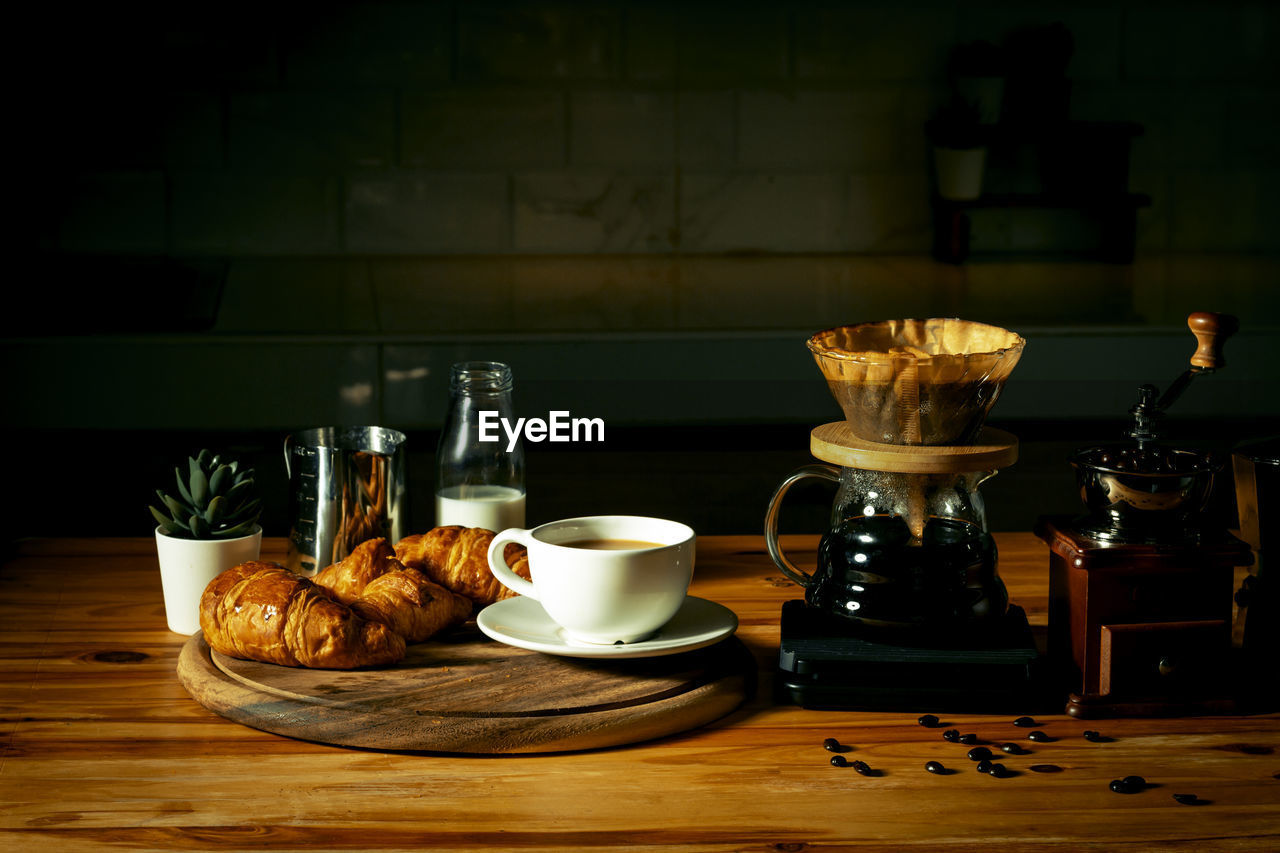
[916,382]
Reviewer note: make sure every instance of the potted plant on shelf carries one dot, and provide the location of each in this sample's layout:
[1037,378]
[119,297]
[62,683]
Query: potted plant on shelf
[211,526]
[977,73]
[959,149]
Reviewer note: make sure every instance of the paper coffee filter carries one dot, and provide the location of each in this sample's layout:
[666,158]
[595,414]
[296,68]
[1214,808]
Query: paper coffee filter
[916,381]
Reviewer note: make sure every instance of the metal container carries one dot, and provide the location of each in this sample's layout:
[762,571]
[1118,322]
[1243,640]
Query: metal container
[1138,495]
[346,485]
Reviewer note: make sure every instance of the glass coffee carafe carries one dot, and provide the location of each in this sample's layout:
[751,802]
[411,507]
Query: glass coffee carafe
[904,553]
[907,555]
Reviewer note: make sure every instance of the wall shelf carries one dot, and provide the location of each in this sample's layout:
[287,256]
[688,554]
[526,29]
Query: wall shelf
[1066,166]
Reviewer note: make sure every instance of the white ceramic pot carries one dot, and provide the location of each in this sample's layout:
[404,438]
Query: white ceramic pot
[959,172]
[187,566]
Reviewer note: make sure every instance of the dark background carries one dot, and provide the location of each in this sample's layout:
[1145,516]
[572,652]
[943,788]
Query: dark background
[236,221]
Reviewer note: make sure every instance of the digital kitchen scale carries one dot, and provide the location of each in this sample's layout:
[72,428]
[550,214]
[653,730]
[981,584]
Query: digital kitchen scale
[823,665]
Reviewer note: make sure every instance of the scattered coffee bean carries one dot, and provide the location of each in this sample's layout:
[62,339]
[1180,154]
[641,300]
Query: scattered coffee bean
[1024,722]
[998,770]
[1091,735]
[1124,786]
[1039,737]
[1188,799]
[1135,782]
[952,735]
[935,767]
[1012,748]
[862,768]
[979,753]
[831,745]
[1045,768]
[968,738]
[929,721]
[839,761]
[983,766]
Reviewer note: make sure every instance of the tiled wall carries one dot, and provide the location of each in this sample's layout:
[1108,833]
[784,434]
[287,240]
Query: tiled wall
[377,189]
[645,207]
[612,127]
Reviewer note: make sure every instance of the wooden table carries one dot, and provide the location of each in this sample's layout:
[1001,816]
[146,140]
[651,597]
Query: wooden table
[102,748]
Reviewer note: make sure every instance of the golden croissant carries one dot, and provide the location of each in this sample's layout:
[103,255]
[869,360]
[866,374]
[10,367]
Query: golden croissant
[457,558]
[262,611]
[377,586]
[346,579]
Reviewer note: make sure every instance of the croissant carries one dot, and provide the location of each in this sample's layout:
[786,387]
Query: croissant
[411,605]
[377,586]
[457,558]
[264,612]
[346,580]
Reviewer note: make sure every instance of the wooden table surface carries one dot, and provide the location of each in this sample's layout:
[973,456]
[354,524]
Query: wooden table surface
[102,748]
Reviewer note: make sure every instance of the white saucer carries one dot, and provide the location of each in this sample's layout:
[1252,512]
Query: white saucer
[521,622]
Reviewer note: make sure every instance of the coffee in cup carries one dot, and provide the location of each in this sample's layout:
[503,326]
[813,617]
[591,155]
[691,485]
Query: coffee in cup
[604,579]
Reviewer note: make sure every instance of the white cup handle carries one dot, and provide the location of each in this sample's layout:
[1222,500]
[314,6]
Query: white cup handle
[498,564]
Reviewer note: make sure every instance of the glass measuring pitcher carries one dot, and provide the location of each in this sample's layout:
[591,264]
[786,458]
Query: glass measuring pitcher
[905,553]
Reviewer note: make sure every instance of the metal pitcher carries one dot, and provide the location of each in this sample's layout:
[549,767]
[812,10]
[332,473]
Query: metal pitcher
[346,485]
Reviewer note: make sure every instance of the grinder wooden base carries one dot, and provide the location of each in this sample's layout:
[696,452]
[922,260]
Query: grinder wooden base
[1141,629]
[471,695]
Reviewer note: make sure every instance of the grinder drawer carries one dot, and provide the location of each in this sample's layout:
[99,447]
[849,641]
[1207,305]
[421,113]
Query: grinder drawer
[1163,658]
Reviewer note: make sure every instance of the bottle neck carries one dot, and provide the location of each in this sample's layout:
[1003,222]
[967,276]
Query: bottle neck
[480,378]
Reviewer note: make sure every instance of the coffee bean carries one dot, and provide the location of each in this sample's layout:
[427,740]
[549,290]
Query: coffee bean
[862,768]
[998,770]
[1135,782]
[979,753]
[831,745]
[952,735]
[839,761]
[1024,722]
[935,767]
[1011,748]
[1039,737]
[1188,799]
[928,721]
[1045,768]
[968,738]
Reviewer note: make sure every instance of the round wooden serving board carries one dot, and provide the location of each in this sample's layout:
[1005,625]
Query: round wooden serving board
[471,695]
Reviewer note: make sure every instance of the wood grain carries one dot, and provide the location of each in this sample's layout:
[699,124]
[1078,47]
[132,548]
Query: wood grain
[102,748]
[992,450]
[471,695]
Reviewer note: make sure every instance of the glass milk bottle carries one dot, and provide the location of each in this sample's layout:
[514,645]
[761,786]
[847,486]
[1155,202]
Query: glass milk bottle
[481,483]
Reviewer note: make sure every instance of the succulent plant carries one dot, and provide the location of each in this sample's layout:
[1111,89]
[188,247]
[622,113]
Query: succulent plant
[216,500]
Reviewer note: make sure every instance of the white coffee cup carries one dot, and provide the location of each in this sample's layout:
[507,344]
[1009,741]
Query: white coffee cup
[602,595]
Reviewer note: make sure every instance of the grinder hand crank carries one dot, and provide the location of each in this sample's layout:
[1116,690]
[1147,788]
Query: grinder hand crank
[1211,332]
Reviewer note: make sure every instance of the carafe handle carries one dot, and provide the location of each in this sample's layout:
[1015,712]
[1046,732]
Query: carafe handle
[821,472]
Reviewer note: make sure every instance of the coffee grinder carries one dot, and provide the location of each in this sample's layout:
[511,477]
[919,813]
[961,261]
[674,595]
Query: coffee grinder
[1140,588]
[906,609]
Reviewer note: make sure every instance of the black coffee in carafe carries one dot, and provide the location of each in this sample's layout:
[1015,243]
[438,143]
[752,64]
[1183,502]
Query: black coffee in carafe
[872,571]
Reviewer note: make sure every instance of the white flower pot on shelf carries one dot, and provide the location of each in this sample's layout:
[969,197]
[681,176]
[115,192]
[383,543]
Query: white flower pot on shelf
[959,172]
[187,566]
